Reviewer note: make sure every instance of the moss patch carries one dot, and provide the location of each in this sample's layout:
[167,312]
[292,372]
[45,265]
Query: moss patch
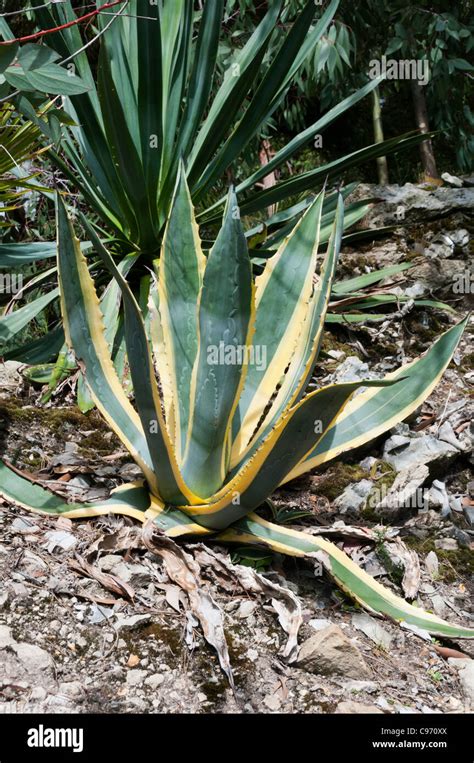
[453,565]
[337,477]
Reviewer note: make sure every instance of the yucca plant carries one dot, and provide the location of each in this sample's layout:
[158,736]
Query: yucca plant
[154,98]
[20,142]
[221,416]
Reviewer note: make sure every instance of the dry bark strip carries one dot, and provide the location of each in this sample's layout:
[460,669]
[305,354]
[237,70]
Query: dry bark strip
[110,582]
[183,570]
[284,602]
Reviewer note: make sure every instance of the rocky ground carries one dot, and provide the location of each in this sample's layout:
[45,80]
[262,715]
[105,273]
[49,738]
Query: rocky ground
[91,622]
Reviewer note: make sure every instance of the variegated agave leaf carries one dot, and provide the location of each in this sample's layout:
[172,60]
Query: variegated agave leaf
[227,419]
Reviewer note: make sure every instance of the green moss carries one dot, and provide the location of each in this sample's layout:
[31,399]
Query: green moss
[385,476]
[96,444]
[56,419]
[453,565]
[337,477]
[171,637]
[467,363]
[330,342]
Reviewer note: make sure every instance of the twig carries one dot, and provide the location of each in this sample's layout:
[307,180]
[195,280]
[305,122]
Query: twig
[44,32]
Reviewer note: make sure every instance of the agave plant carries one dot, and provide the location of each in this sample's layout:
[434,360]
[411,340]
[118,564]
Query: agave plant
[221,416]
[155,97]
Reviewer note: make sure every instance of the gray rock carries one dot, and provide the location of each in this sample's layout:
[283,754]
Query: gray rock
[352,369]
[155,680]
[319,623]
[272,701]
[32,657]
[432,565]
[438,498]
[9,376]
[466,677]
[405,492]
[372,629]
[129,623]
[330,652]
[354,496]
[419,204]
[358,686]
[404,452]
[469,514]
[6,638]
[71,688]
[447,544]
[136,677]
[452,180]
[246,608]
[356,708]
[109,561]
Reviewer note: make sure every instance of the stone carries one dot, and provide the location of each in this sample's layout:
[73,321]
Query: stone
[349,706]
[32,657]
[466,677]
[319,623]
[447,544]
[246,609]
[352,369]
[6,638]
[358,686]
[405,492]
[354,496]
[469,514]
[432,565]
[136,677]
[438,498]
[71,688]
[108,561]
[403,452]
[154,681]
[272,701]
[418,203]
[330,652]
[9,375]
[452,180]
[129,623]
[372,629]
[39,693]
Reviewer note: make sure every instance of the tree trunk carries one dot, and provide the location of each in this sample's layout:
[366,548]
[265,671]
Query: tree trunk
[382,166]
[265,155]
[428,160]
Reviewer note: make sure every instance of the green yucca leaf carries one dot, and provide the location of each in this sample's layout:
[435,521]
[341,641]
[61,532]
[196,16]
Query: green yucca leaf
[39,350]
[15,255]
[350,285]
[310,180]
[11,324]
[285,64]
